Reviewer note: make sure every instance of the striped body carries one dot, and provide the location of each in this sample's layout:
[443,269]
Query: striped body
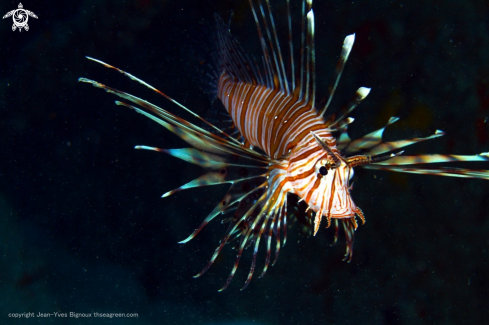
[267,118]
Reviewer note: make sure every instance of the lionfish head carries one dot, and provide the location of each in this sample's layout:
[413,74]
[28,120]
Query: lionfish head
[321,178]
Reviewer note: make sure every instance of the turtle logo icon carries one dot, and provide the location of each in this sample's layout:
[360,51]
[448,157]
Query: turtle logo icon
[20,17]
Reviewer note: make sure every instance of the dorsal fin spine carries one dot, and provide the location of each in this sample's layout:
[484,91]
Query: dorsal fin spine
[277,76]
[279,51]
[266,54]
[291,48]
[312,55]
[301,73]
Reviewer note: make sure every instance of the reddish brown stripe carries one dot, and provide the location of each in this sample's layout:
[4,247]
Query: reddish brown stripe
[314,187]
[305,155]
[279,128]
[245,105]
[331,197]
[304,175]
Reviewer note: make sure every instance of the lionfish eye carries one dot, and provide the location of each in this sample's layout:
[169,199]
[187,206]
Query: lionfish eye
[323,171]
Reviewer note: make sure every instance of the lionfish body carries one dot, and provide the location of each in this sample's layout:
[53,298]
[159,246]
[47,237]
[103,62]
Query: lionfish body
[304,168]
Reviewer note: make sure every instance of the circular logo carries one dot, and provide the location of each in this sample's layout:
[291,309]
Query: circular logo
[20,18]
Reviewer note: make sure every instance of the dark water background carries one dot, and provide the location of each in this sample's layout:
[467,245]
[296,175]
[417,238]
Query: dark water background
[82,225]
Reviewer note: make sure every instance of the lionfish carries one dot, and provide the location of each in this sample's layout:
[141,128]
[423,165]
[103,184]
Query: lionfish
[283,154]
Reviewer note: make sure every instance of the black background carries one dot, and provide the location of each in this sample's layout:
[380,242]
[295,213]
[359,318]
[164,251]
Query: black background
[82,227]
